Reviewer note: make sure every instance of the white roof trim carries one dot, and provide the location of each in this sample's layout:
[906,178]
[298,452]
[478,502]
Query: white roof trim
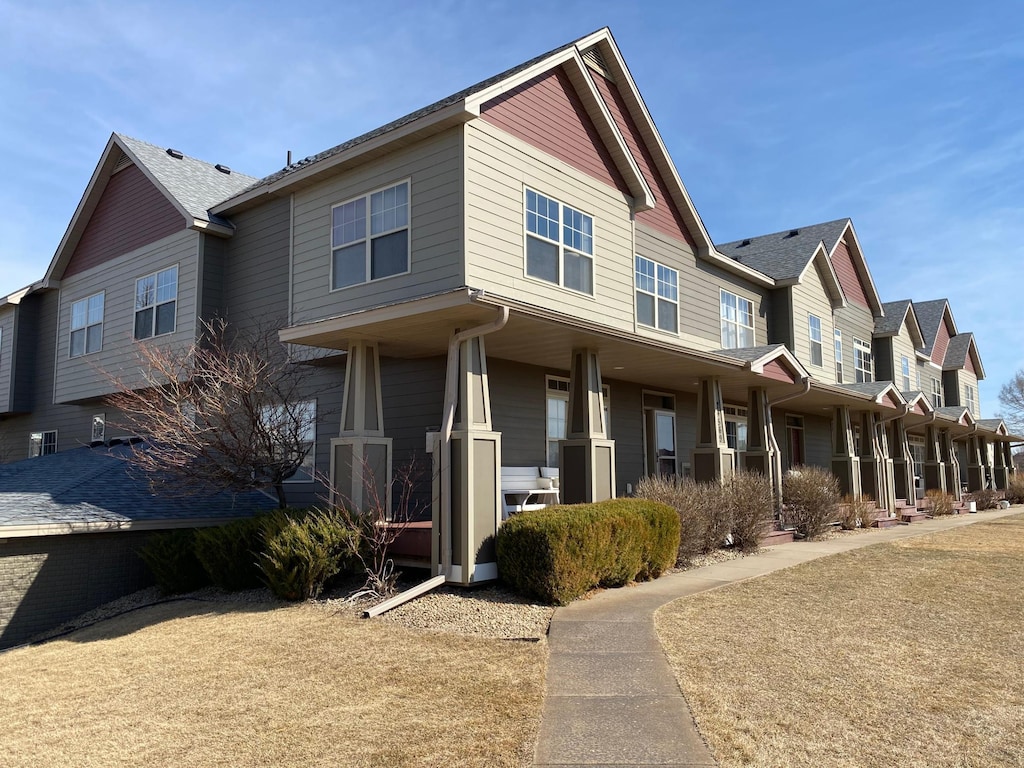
[861,265]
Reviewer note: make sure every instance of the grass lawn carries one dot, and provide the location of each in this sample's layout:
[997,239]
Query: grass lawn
[194,684]
[905,654]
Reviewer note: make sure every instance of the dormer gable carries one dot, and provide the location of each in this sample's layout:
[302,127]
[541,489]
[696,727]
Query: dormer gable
[899,317]
[962,353]
[937,328]
[852,269]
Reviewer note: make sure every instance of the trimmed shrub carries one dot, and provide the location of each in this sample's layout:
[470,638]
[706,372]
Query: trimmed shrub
[811,497]
[940,503]
[557,553]
[751,505]
[172,559]
[1015,490]
[984,499]
[856,513]
[300,556]
[229,553]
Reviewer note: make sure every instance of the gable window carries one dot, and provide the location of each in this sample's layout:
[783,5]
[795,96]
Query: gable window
[156,299]
[370,237]
[814,336]
[556,425]
[559,243]
[737,321]
[862,361]
[42,443]
[839,356]
[905,370]
[657,295]
[86,326]
[936,393]
[971,398]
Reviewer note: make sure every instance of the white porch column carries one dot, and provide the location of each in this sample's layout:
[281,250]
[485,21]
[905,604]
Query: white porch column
[361,456]
[875,465]
[976,461]
[845,462]
[712,458]
[951,463]
[586,458]
[934,466]
[903,462]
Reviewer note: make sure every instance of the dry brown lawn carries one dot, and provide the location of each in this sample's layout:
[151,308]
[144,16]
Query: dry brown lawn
[192,684]
[906,654]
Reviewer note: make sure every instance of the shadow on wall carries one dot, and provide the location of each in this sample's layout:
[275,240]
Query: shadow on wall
[47,580]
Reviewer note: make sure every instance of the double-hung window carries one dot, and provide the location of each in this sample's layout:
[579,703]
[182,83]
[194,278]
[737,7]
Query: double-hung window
[936,393]
[905,370]
[971,399]
[558,414]
[42,443]
[86,326]
[370,237]
[156,301]
[657,295]
[559,243]
[814,337]
[737,321]
[839,356]
[862,361]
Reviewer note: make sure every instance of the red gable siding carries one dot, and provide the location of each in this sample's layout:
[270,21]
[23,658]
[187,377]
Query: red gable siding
[547,113]
[842,261]
[918,408]
[892,400]
[941,342]
[969,365]
[130,214]
[779,372]
[663,217]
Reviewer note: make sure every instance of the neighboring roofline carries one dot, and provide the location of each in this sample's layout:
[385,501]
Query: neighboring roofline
[972,350]
[861,265]
[919,397]
[820,256]
[24,530]
[916,333]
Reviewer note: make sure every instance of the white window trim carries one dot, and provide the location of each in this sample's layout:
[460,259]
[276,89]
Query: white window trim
[41,438]
[155,304]
[721,305]
[85,328]
[562,248]
[938,399]
[867,373]
[563,395]
[970,398]
[101,419]
[905,372]
[656,296]
[837,337]
[811,341]
[367,239]
[309,462]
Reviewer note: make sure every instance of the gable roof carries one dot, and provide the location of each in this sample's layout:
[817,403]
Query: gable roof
[957,413]
[896,314]
[959,347]
[757,358]
[930,315]
[192,186]
[877,390]
[94,488]
[784,255]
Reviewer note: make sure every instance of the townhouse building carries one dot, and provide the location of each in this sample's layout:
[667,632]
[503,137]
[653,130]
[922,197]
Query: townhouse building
[513,276]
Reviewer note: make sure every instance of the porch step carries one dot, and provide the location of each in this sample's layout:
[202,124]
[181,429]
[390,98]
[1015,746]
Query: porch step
[885,522]
[771,538]
[912,515]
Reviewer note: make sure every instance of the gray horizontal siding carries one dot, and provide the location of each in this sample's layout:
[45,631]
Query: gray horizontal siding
[7,345]
[811,298]
[854,321]
[256,265]
[434,168]
[89,376]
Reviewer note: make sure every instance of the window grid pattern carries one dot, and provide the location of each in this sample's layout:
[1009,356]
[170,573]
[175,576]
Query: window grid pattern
[370,237]
[737,321]
[862,361]
[936,393]
[814,336]
[86,326]
[156,298]
[657,295]
[905,371]
[839,355]
[42,443]
[971,399]
[556,425]
[559,243]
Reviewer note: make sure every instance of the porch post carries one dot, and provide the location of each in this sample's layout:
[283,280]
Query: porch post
[934,466]
[712,458]
[762,454]
[586,458]
[1001,470]
[845,463]
[951,462]
[873,459]
[975,463]
[902,462]
[361,456]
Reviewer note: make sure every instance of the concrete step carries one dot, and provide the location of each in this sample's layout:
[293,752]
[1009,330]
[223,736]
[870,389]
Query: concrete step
[885,522]
[912,516]
[770,538]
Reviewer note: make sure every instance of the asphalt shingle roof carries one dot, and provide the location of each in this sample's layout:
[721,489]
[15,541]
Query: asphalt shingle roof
[748,354]
[956,352]
[872,388]
[783,255]
[929,317]
[196,184]
[951,411]
[95,485]
[895,312]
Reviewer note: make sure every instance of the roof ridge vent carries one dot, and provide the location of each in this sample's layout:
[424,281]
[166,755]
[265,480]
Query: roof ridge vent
[222,168]
[745,242]
[594,59]
[177,154]
[793,233]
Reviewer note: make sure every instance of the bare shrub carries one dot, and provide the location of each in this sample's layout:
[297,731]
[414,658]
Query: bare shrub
[939,502]
[1015,489]
[984,499]
[856,513]
[811,496]
[704,516]
[752,505]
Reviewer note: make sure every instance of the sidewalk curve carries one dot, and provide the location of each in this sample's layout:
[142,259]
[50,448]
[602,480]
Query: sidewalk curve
[612,699]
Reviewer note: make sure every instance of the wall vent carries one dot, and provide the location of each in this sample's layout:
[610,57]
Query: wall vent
[122,162]
[592,58]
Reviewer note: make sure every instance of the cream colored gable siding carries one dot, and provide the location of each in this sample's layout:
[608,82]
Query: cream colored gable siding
[434,170]
[927,374]
[85,376]
[854,322]
[6,356]
[811,298]
[902,346]
[499,168]
[700,286]
[963,376]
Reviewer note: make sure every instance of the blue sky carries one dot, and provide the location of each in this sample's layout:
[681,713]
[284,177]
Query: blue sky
[905,116]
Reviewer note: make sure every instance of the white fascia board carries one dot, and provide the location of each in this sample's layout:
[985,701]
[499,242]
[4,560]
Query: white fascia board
[742,270]
[203,225]
[757,366]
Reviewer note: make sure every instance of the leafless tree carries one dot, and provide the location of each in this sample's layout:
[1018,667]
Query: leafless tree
[227,412]
[1011,397]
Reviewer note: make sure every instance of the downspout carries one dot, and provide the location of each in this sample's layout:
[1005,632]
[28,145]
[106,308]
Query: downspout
[451,400]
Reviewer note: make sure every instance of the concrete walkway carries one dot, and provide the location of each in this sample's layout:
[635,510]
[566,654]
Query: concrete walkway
[612,699]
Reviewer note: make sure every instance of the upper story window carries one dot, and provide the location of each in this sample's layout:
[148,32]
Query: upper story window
[971,398]
[370,237]
[737,321]
[936,393]
[559,243]
[862,361]
[86,326]
[42,443]
[657,295]
[905,370]
[156,300]
[839,355]
[814,336]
